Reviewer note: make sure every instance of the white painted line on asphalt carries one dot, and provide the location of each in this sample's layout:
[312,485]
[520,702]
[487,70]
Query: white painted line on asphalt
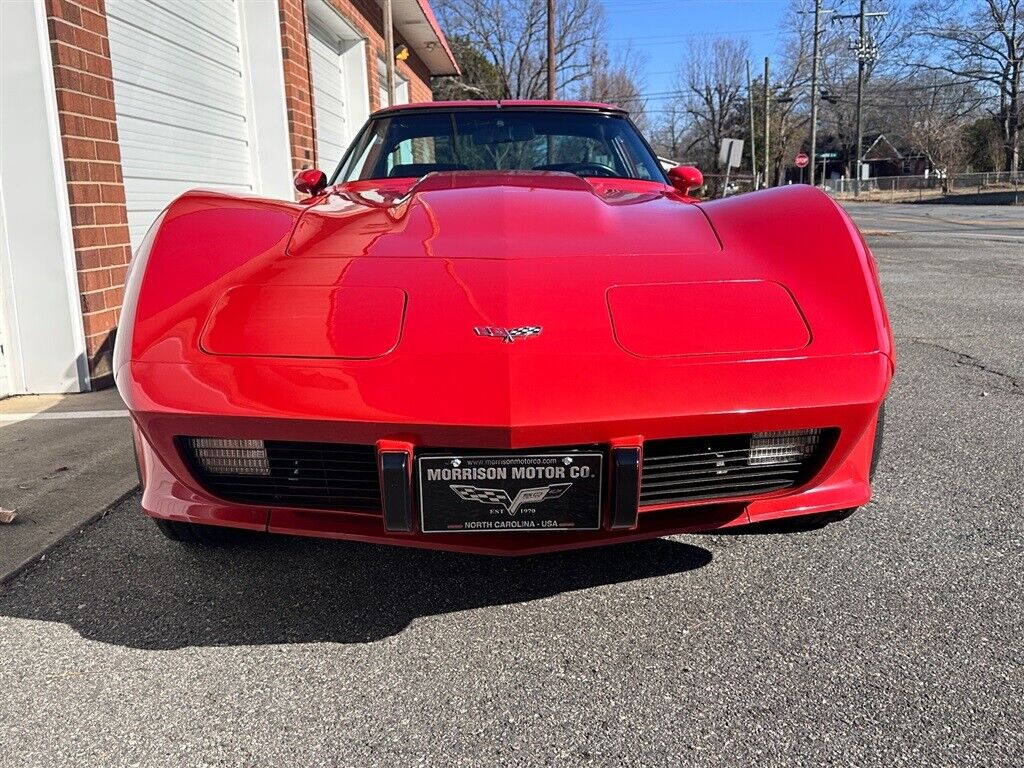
[997,236]
[11,418]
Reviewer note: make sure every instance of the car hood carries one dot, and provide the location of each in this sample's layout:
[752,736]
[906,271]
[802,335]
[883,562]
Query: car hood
[501,216]
[468,259]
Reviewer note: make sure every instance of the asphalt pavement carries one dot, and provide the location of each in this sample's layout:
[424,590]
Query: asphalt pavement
[894,638]
[64,459]
[988,222]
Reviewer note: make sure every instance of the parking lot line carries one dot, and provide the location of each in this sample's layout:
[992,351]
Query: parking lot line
[10,418]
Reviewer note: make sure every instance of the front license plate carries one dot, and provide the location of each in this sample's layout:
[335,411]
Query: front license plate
[535,492]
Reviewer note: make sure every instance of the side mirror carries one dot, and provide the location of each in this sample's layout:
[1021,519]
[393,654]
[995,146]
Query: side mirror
[311,181]
[685,177]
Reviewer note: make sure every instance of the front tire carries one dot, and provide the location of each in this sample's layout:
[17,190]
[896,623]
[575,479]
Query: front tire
[197,535]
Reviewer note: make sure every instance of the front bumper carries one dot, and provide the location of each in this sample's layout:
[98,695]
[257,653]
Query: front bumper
[847,396]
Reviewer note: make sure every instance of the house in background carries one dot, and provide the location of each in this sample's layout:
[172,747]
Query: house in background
[109,110]
[885,158]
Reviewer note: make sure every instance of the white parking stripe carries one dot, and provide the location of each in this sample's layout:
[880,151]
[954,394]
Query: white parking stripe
[11,418]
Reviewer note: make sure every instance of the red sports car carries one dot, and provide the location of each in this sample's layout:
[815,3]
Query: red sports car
[501,328]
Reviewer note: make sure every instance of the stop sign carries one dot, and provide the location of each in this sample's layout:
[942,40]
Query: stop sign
[802,160]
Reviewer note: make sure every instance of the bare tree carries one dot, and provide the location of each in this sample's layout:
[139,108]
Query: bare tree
[669,132]
[790,115]
[931,114]
[512,36]
[711,83]
[983,44]
[616,82]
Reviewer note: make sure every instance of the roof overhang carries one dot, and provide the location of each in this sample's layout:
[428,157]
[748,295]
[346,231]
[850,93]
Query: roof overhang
[415,22]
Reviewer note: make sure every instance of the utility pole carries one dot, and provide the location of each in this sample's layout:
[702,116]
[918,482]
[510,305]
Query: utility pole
[767,124]
[753,147]
[551,50]
[389,51]
[861,61]
[867,52]
[814,85]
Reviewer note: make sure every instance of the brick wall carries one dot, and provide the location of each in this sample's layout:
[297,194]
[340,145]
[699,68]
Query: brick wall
[367,17]
[92,160]
[419,89]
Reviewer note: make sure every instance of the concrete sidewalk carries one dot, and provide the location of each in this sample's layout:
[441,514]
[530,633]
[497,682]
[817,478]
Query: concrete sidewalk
[64,459]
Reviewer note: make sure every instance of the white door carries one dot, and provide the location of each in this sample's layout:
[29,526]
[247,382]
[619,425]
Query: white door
[330,100]
[180,96]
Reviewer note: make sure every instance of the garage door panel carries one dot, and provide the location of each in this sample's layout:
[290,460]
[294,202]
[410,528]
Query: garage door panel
[334,145]
[179,91]
[214,17]
[206,29]
[185,116]
[331,104]
[221,90]
[148,166]
[154,194]
[178,139]
[140,63]
[329,99]
[332,137]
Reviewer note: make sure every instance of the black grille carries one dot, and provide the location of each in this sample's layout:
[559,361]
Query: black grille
[690,469]
[310,475]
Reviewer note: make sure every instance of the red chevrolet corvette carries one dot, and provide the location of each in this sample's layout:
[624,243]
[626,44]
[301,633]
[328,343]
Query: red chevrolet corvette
[501,328]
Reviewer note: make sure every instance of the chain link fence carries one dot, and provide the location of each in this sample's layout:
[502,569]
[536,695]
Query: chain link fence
[714,183]
[903,188]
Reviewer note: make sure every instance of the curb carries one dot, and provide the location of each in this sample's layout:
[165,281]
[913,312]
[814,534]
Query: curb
[81,525]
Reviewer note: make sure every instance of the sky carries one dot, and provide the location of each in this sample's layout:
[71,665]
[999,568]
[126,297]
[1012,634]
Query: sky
[660,29]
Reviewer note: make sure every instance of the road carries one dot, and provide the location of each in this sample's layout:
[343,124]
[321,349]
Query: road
[895,638]
[1003,222]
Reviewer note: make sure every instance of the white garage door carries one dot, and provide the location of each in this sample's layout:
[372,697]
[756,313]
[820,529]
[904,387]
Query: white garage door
[180,98]
[330,101]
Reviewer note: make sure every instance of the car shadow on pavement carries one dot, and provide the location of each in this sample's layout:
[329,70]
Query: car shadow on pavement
[122,583]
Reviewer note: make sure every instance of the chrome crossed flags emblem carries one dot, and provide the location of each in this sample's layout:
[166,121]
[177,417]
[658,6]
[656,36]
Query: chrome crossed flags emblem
[506,502]
[508,334]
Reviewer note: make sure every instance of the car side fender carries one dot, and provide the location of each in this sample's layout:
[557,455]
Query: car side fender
[200,242]
[802,235]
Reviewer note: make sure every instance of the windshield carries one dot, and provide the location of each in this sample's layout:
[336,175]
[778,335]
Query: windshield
[413,144]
